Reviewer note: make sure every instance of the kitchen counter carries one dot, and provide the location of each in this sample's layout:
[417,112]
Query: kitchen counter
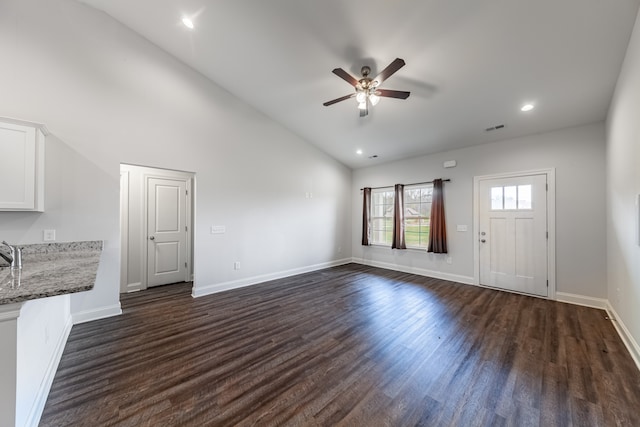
[51,269]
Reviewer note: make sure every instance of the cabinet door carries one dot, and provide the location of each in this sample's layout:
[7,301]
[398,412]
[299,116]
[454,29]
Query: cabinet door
[18,167]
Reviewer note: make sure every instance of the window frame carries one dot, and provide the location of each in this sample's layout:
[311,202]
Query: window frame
[388,207]
[423,237]
[388,225]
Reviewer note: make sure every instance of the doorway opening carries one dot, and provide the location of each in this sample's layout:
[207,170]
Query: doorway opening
[156,227]
[514,224]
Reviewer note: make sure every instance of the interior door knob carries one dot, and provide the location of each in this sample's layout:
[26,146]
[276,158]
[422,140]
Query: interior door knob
[483,240]
[152,238]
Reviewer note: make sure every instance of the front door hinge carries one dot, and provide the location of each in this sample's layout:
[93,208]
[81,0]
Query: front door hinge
[547,282]
[547,234]
[186,192]
[185,266]
[186,229]
[547,187]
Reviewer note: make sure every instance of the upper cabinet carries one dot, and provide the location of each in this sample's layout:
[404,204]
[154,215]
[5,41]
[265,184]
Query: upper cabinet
[21,166]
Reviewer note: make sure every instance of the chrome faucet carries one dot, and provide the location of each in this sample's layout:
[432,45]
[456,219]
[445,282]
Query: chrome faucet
[14,258]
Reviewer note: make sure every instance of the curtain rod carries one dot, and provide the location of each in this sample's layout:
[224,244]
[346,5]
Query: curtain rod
[413,183]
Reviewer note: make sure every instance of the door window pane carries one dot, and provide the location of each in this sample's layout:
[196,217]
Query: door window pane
[524,196]
[510,197]
[496,198]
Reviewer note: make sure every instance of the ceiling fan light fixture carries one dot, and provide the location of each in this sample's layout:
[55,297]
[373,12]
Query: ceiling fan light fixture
[362,105]
[374,99]
[187,22]
[361,97]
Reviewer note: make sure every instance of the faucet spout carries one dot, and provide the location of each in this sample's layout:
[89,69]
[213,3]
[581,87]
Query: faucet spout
[14,258]
[7,258]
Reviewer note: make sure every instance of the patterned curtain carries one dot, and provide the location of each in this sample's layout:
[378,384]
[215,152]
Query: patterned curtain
[397,241]
[366,217]
[438,229]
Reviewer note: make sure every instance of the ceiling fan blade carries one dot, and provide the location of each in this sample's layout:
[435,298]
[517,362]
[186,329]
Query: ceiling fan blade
[388,72]
[342,98]
[393,93]
[346,76]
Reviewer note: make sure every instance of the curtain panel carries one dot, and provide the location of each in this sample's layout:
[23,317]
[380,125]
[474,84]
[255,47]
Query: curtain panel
[366,217]
[438,229]
[397,241]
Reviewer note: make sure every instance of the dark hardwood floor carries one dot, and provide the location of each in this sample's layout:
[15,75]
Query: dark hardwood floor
[350,345]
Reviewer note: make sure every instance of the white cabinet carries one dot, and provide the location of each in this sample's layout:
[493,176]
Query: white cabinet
[21,166]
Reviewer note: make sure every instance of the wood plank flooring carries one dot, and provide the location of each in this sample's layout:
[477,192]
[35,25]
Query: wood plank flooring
[351,345]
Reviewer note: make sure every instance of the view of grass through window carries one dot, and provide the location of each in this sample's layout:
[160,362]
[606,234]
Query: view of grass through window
[417,208]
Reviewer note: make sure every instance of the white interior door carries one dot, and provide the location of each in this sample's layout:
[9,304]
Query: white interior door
[166,231]
[513,233]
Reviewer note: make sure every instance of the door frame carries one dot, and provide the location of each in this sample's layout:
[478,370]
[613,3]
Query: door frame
[551,224]
[133,220]
[187,178]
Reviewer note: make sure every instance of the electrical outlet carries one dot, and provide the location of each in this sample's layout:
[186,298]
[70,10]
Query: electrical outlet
[236,265]
[449,260]
[49,235]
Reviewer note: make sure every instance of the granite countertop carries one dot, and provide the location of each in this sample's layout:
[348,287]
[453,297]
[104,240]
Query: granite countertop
[51,269]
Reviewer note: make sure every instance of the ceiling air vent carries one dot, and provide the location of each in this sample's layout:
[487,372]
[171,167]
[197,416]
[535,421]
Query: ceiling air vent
[375,156]
[492,128]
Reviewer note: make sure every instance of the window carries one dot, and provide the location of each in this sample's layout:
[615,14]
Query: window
[382,216]
[511,197]
[417,208]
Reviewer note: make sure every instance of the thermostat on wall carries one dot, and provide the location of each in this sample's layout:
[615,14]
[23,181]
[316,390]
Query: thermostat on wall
[450,164]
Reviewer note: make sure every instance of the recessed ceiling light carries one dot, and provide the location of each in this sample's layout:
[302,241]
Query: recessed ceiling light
[188,23]
[359,152]
[527,107]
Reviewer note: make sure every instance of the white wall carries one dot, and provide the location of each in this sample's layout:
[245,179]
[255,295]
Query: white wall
[623,186]
[111,97]
[577,154]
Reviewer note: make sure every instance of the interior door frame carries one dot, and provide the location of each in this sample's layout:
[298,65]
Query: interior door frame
[187,177]
[551,223]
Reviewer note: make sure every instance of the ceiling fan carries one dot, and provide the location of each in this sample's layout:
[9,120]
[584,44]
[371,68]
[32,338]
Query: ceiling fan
[367,91]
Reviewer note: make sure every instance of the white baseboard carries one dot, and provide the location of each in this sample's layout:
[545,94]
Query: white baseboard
[592,302]
[99,313]
[623,331]
[467,280]
[248,281]
[134,287]
[35,413]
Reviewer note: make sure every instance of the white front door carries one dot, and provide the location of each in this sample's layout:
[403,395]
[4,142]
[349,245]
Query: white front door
[166,231]
[513,233]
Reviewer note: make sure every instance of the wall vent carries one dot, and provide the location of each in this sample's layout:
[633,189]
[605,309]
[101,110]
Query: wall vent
[375,156]
[496,127]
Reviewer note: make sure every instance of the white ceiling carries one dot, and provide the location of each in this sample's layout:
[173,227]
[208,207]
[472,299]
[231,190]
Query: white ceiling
[471,64]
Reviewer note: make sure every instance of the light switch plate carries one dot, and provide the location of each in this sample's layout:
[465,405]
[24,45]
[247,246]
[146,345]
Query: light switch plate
[462,228]
[218,229]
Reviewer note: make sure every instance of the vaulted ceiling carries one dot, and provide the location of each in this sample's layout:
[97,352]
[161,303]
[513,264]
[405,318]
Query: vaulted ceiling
[471,64]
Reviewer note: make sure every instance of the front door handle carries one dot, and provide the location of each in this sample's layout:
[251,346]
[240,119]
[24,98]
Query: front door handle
[483,240]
